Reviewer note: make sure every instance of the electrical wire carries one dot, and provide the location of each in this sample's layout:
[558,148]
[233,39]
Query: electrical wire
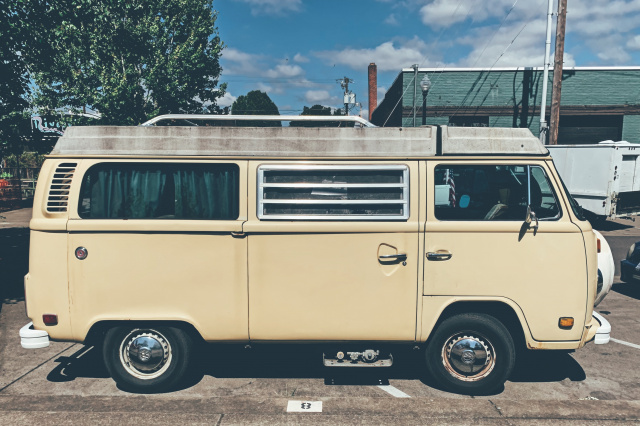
[422,62]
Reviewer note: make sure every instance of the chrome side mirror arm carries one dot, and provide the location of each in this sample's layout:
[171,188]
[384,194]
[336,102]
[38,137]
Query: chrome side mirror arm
[531,217]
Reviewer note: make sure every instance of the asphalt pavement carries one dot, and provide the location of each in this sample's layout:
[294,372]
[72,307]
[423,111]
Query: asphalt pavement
[67,383]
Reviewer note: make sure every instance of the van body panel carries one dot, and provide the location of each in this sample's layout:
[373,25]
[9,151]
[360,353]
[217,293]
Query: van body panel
[200,278]
[590,244]
[332,287]
[323,280]
[47,285]
[159,269]
[434,306]
[505,259]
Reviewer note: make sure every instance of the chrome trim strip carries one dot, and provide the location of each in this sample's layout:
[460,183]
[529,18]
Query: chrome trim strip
[306,201]
[306,118]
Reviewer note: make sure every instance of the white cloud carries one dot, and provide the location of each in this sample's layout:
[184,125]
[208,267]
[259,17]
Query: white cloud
[227,100]
[381,92]
[284,71]
[241,63]
[387,56]
[634,43]
[273,7]
[445,13]
[614,55]
[299,58]
[606,29]
[491,48]
[317,96]
[391,20]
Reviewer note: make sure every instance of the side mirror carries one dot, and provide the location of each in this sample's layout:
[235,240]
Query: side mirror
[531,217]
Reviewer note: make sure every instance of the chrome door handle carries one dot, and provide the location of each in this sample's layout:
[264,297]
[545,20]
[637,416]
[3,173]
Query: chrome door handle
[439,255]
[400,257]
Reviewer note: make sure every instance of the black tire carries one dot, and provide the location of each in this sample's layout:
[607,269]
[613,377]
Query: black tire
[477,342]
[147,359]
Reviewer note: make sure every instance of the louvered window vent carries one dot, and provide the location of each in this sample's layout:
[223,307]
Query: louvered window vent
[60,186]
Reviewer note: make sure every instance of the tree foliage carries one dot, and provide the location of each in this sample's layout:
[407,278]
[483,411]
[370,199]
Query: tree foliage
[255,103]
[319,110]
[128,60]
[14,80]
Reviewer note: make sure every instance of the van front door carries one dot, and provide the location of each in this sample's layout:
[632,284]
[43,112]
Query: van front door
[333,251]
[478,246]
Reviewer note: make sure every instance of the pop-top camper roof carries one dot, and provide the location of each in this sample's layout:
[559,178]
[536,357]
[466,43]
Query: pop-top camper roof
[293,142]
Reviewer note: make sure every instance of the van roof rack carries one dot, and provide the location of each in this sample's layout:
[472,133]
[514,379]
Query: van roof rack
[306,118]
[296,142]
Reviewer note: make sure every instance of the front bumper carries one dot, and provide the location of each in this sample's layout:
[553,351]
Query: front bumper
[603,333]
[33,339]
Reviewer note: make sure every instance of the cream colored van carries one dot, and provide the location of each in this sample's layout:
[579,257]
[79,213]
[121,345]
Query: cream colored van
[460,241]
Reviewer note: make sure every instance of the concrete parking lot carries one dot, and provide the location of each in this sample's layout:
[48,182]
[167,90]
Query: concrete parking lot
[68,383]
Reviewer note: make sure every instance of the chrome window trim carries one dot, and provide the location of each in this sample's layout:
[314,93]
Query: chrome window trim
[555,218]
[403,203]
[553,192]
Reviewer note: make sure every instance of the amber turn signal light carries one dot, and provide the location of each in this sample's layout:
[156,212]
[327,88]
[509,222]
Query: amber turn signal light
[565,323]
[50,319]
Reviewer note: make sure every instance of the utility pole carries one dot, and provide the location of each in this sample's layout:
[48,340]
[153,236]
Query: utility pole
[349,97]
[557,73]
[544,127]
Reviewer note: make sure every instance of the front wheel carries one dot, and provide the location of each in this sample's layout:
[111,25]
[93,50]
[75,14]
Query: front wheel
[147,360]
[471,354]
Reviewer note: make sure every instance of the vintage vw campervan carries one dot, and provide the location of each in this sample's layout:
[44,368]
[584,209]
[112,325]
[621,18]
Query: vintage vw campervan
[461,241]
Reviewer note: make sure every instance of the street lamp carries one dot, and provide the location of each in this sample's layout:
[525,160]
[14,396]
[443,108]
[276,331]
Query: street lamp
[425,85]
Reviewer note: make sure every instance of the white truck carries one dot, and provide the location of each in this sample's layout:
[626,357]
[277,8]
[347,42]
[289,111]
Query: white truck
[604,178]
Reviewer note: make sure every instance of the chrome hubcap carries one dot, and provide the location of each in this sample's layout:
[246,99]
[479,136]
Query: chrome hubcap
[468,357]
[145,354]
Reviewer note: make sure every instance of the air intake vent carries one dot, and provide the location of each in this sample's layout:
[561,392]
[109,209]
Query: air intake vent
[60,185]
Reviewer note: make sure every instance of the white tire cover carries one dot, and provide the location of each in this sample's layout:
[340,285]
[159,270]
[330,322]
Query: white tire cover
[606,267]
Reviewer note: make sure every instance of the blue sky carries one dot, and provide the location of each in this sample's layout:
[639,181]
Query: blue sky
[295,50]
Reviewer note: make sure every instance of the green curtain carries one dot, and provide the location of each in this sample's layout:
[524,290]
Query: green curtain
[165,191]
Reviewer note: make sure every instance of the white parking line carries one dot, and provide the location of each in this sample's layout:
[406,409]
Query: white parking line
[394,391]
[622,342]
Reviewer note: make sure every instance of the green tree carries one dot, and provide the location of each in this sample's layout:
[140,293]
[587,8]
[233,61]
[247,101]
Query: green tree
[315,110]
[128,60]
[320,110]
[255,103]
[14,79]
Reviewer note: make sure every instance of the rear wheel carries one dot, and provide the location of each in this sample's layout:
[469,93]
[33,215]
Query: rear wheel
[471,354]
[147,360]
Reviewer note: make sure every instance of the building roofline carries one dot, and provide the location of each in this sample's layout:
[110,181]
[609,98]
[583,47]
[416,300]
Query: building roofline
[459,69]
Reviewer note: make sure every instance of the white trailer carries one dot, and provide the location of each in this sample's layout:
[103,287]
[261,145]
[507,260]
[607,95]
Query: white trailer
[604,178]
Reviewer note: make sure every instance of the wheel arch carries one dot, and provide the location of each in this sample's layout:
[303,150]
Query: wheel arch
[505,311]
[96,333]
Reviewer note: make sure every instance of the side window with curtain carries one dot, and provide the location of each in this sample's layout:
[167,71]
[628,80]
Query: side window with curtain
[492,192]
[160,191]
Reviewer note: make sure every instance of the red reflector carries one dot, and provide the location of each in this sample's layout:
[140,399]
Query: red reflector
[599,246]
[50,319]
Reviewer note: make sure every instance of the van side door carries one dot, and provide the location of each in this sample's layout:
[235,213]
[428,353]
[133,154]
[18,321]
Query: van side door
[333,250]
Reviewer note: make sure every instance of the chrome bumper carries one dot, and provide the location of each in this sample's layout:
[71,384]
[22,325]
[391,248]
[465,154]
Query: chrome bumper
[603,334]
[33,339]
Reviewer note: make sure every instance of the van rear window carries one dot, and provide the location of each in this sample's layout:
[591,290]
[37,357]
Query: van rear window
[337,192]
[160,191]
